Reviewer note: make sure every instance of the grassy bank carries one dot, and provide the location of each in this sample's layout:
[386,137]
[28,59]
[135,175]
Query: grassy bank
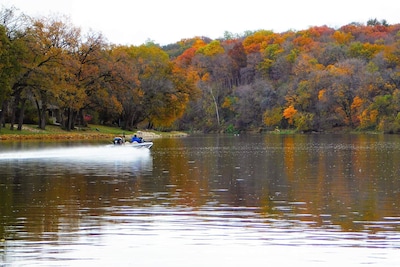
[52,132]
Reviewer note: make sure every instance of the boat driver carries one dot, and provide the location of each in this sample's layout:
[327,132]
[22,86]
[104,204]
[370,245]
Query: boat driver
[136,139]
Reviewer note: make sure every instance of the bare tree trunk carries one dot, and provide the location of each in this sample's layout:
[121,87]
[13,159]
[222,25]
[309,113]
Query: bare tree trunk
[74,116]
[216,106]
[69,119]
[13,111]
[42,117]
[1,116]
[2,112]
[21,114]
[81,118]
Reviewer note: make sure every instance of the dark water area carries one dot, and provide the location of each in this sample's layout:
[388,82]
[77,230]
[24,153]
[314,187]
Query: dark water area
[292,200]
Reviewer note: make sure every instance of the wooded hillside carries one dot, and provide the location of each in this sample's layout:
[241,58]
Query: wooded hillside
[310,80]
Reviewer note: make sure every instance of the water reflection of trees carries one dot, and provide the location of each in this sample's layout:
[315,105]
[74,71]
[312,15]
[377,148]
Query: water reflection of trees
[340,181]
[348,180]
[46,199]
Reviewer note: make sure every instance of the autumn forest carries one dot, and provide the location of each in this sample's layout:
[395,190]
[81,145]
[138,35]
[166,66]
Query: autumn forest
[317,79]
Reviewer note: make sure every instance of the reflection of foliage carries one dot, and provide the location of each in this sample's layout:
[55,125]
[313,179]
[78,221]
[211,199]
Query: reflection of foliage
[319,179]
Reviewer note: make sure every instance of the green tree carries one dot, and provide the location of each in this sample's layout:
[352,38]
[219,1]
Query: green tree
[6,71]
[14,55]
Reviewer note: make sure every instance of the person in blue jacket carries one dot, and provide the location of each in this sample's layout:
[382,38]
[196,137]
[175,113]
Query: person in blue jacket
[136,139]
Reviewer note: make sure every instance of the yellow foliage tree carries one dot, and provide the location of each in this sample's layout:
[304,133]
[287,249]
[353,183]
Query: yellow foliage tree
[342,37]
[211,49]
[322,95]
[258,41]
[273,117]
[368,118]
[229,103]
[357,102]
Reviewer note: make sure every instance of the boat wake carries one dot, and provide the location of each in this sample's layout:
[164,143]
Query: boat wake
[100,153]
[116,161]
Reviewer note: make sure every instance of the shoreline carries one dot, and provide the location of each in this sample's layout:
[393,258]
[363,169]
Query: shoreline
[100,132]
[94,132]
[73,136]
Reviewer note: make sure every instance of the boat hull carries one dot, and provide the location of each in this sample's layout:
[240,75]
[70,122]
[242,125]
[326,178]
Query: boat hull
[147,145]
[119,141]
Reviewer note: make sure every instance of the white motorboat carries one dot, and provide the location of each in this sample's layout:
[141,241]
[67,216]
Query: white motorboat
[119,141]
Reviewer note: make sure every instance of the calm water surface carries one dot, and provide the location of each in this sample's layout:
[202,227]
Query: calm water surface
[249,200]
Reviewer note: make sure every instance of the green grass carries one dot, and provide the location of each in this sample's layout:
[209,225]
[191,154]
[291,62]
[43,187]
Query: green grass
[284,131]
[91,132]
[53,131]
[105,129]
[24,131]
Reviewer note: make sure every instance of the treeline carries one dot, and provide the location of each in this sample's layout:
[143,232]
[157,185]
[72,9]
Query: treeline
[50,71]
[311,80]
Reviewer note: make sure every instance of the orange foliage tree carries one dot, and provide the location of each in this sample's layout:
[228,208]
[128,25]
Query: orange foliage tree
[289,113]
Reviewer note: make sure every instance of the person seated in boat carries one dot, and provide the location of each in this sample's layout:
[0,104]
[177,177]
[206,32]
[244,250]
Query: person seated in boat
[136,139]
[117,141]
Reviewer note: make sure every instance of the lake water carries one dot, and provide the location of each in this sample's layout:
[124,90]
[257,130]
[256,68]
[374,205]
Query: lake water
[249,200]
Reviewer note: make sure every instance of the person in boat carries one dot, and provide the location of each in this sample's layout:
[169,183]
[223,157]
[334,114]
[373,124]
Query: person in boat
[136,139]
[117,141]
